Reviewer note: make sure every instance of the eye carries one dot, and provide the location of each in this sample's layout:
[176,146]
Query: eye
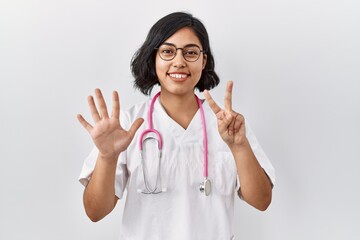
[167,50]
[191,52]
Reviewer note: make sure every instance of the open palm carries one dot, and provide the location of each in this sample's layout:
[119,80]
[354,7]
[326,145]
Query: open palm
[107,134]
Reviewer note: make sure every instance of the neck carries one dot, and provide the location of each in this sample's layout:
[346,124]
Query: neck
[181,108]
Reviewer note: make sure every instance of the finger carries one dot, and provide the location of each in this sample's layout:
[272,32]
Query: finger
[234,125]
[214,107]
[238,121]
[94,112]
[116,105]
[223,128]
[228,96]
[230,121]
[102,104]
[224,121]
[135,126]
[83,122]
[220,115]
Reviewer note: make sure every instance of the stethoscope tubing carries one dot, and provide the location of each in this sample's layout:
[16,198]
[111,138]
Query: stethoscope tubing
[205,140]
[160,144]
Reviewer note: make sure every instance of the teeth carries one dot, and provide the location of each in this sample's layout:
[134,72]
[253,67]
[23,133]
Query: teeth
[178,75]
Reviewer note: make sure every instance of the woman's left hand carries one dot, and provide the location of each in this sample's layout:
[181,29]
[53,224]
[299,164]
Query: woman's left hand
[231,124]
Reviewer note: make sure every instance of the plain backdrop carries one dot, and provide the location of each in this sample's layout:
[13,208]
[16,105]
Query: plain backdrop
[296,69]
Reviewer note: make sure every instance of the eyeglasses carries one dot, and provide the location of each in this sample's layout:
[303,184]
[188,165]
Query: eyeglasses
[191,53]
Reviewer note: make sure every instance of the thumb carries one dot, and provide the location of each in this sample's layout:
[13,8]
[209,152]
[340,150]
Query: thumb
[135,126]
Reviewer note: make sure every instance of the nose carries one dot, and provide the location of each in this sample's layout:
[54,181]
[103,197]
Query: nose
[179,60]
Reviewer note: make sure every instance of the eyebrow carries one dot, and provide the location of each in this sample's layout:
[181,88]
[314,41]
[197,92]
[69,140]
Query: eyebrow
[187,45]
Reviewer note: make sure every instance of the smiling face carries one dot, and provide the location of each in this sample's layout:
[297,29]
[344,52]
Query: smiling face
[178,76]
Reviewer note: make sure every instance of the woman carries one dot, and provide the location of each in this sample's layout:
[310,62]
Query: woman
[195,143]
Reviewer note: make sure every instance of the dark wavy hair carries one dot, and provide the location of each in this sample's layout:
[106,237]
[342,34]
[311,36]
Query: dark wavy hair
[143,61]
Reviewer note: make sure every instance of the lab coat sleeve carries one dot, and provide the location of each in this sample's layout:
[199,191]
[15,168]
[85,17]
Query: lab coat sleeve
[260,154]
[121,174]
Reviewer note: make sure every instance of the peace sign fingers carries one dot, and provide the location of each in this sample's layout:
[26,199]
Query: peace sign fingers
[227,101]
[223,116]
[230,123]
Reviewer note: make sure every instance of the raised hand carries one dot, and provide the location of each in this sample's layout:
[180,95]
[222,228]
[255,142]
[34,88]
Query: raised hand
[231,124]
[107,134]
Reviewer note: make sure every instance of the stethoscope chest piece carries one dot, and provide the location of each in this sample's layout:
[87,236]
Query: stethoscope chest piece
[205,187]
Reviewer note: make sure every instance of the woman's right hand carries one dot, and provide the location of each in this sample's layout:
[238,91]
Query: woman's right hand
[107,134]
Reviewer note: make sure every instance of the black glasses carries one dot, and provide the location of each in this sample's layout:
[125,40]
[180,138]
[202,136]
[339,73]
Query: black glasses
[191,53]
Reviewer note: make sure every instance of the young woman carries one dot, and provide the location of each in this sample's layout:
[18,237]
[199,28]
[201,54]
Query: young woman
[182,160]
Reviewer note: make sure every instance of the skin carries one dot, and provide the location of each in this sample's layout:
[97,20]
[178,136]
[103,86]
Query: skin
[177,95]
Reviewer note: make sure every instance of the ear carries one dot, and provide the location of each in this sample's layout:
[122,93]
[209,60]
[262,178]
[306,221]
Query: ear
[204,61]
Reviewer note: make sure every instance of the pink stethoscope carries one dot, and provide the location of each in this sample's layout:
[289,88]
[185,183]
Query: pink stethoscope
[205,186]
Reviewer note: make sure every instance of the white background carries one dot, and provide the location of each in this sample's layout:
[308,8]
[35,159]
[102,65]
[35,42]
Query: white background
[295,64]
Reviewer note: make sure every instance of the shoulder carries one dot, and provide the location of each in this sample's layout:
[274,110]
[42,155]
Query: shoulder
[138,110]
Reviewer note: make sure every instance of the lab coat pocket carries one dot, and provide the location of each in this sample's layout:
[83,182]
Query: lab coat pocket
[225,173]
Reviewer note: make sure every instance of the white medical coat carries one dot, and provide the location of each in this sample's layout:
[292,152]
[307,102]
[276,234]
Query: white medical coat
[182,212]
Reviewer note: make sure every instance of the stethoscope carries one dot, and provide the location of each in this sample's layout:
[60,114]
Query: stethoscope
[205,186]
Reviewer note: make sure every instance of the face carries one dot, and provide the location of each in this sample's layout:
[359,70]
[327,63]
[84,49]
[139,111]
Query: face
[178,76]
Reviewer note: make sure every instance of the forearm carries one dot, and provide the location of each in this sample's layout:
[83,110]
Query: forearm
[256,187]
[99,195]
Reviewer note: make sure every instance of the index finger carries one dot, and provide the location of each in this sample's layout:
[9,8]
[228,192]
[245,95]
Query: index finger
[228,96]
[211,102]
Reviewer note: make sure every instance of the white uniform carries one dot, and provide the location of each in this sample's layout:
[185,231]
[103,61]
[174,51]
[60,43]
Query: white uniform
[182,211]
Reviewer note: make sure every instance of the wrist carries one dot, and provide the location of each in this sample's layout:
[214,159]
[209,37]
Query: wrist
[239,146]
[108,157]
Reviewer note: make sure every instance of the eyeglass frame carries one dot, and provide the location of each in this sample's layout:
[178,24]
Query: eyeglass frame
[182,51]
